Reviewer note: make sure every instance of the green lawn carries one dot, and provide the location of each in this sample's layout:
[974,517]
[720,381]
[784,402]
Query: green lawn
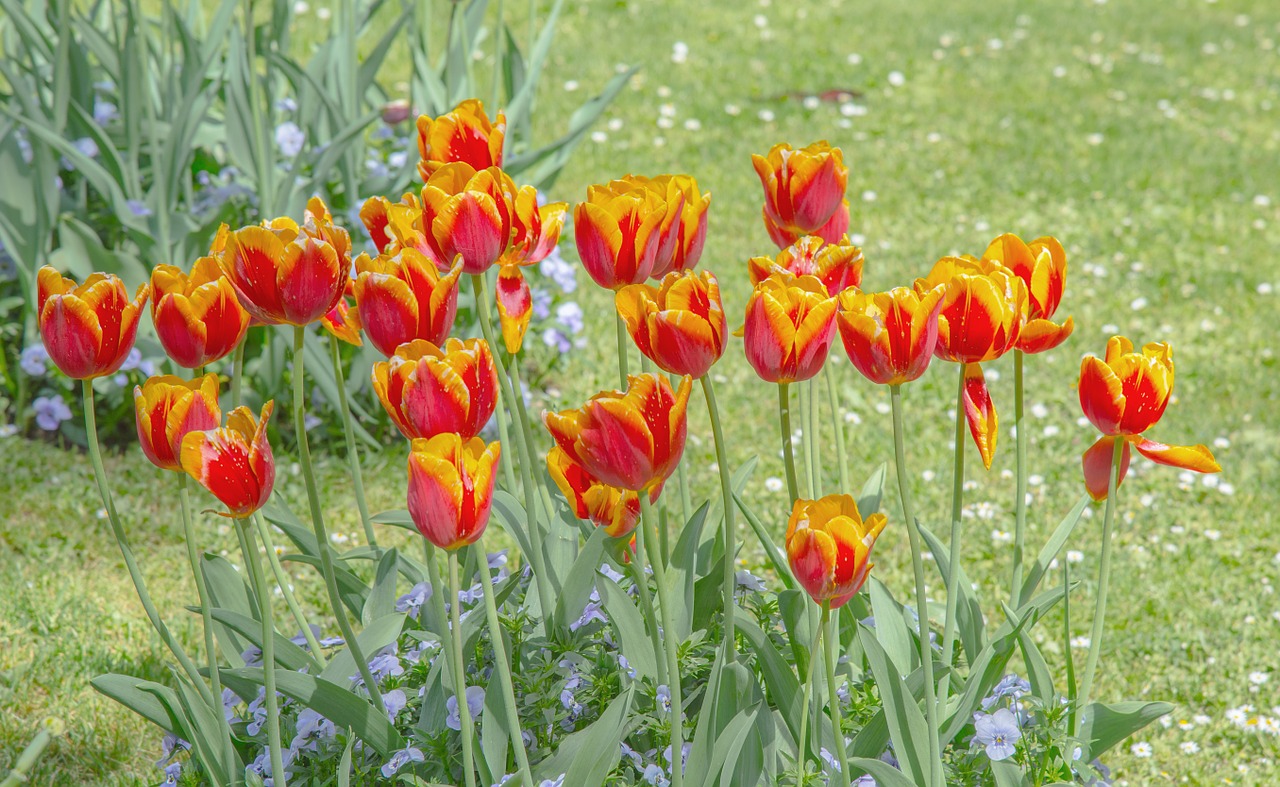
[1142,134]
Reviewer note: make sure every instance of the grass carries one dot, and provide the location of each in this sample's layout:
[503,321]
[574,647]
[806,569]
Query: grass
[1141,134]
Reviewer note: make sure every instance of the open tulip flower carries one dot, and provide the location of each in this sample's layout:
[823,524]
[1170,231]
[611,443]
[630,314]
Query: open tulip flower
[167,408]
[535,233]
[402,297]
[684,228]
[890,336]
[466,134]
[234,462]
[1042,266]
[679,325]
[88,330]
[837,265]
[451,488]
[197,317]
[1123,395]
[803,189]
[789,326]
[616,510]
[377,212]
[829,547]
[619,232]
[979,320]
[283,274]
[429,389]
[466,214]
[632,440]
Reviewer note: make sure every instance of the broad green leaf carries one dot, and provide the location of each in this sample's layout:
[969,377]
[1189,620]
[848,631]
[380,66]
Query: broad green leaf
[129,692]
[593,752]
[495,728]
[376,636]
[230,592]
[1106,725]
[382,597]
[212,750]
[633,639]
[872,492]
[682,571]
[509,513]
[779,679]
[885,774]
[907,727]
[968,611]
[891,628]
[1036,571]
[1007,774]
[287,654]
[777,557]
[576,586]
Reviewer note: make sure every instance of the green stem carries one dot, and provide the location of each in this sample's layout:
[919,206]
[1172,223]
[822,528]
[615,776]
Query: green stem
[802,750]
[317,522]
[788,454]
[282,580]
[353,455]
[1104,581]
[806,439]
[837,425]
[22,767]
[833,701]
[237,372]
[508,468]
[686,502]
[504,668]
[646,604]
[1020,504]
[460,674]
[499,51]
[202,588]
[726,498]
[437,597]
[1066,646]
[512,396]
[812,435]
[670,639]
[259,582]
[953,574]
[621,329]
[917,567]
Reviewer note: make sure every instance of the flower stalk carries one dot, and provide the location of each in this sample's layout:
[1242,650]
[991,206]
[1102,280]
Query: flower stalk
[202,587]
[833,701]
[353,454]
[953,574]
[670,640]
[459,674]
[253,564]
[788,454]
[282,580]
[1020,504]
[726,498]
[504,668]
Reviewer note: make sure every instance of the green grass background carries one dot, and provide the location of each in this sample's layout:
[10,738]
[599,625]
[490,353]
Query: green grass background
[1144,135]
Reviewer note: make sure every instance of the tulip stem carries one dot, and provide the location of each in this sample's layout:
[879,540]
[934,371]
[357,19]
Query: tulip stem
[437,598]
[621,328]
[833,701]
[953,573]
[1070,670]
[353,454]
[686,504]
[917,567]
[1020,504]
[202,588]
[646,603]
[1104,581]
[726,498]
[788,455]
[508,468]
[811,439]
[512,395]
[670,639]
[802,749]
[460,674]
[504,668]
[837,425]
[806,456]
[317,523]
[237,372]
[282,580]
[253,564]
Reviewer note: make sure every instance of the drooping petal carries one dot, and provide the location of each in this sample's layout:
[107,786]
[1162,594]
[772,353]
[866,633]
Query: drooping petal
[980,412]
[1096,463]
[515,306]
[1196,458]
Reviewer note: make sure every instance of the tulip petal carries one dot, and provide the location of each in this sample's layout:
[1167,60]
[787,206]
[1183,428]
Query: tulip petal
[1101,395]
[1197,458]
[1042,335]
[1096,463]
[515,306]
[980,412]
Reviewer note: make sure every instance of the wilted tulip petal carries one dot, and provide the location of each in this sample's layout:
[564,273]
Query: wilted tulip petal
[515,306]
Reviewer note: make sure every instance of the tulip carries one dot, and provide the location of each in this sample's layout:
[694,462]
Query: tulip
[837,265]
[451,488]
[789,326]
[535,233]
[87,330]
[343,323]
[679,325]
[619,232]
[632,440]
[197,317]
[428,390]
[803,189]
[1123,396]
[284,274]
[377,215]
[402,297]
[616,510]
[466,213]
[1042,266]
[466,134]
[234,462]
[167,409]
[831,232]
[684,227]
[829,547]
[890,336]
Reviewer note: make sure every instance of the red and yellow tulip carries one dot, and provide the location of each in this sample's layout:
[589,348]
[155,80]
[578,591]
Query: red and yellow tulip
[167,409]
[535,233]
[890,336]
[343,323]
[234,462]
[1123,395]
[378,213]
[466,216]
[837,265]
[428,390]
[451,488]
[803,191]
[402,297]
[88,330]
[616,510]
[829,547]
[684,228]
[197,317]
[1042,266]
[831,232]
[284,274]
[466,134]
[789,326]
[632,440]
[679,325]
[619,232]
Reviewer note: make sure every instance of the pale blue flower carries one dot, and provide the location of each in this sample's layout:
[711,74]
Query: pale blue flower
[394,701]
[311,729]
[570,316]
[607,570]
[138,208]
[556,782]
[653,774]
[412,601]
[51,411]
[132,360]
[171,746]
[475,705]
[290,139]
[32,360]
[1010,686]
[997,732]
[555,339]
[559,270]
[746,579]
[541,303]
[286,104]
[386,665]
[397,159]
[664,698]
[87,147]
[104,112]
[829,759]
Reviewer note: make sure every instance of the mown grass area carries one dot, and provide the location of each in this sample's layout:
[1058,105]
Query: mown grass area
[1144,135]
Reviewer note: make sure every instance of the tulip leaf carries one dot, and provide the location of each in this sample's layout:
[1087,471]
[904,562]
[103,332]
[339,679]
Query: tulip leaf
[902,711]
[579,581]
[1008,774]
[287,654]
[777,557]
[1106,725]
[968,610]
[985,671]
[779,679]
[587,756]
[495,732]
[682,570]
[146,698]
[1036,571]
[891,627]
[227,590]
[509,514]
[382,597]
[885,774]
[872,493]
[728,746]
[633,640]
[376,636]
[212,750]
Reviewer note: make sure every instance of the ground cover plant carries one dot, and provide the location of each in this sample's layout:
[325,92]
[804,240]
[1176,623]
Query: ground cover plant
[1226,682]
